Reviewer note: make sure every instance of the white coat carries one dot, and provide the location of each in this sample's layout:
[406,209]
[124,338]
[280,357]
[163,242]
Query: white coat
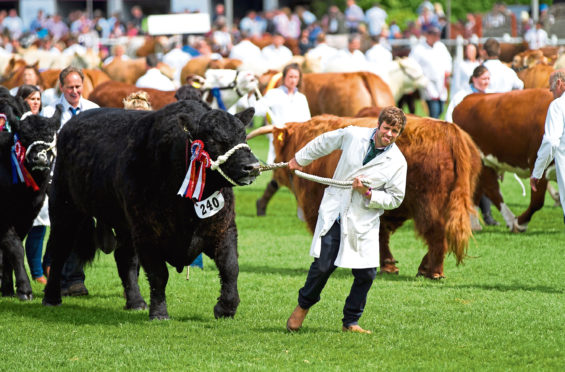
[359,216]
[553,145]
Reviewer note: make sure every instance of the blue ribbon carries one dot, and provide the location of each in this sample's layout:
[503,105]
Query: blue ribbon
[217,95]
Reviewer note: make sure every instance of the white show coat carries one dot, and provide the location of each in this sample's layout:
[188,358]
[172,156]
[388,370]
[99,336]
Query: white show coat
[436,63]
[153,78]
[502,78]
[282,108]
[359,217]
[553,145]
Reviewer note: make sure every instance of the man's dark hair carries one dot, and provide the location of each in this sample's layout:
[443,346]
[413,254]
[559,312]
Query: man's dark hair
[151,60]
[66,71]
[492,47]
[393,116]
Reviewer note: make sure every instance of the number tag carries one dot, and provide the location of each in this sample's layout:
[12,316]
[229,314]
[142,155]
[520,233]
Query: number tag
[210,206]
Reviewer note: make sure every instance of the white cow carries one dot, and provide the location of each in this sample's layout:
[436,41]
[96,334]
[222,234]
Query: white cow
[231,84]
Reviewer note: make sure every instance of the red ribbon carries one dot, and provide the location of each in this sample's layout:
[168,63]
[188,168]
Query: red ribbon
[196,182]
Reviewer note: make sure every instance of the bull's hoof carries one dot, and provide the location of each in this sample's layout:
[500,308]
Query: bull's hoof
[140,305]
[8,294]
[389,271]
[222,312]
[159,317]
[261,208]
[47,302]
[434,276]
[517,228]
[25,296]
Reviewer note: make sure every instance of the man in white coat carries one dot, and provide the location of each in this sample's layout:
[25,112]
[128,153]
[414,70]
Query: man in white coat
[347,230]
[553,142]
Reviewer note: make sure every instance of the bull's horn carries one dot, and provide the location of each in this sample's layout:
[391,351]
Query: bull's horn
[260,131]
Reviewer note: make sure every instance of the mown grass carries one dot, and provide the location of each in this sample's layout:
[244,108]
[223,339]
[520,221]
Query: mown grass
[503,309]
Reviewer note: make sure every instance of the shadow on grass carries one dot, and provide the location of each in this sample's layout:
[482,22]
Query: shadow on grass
[87,314]
[302,272]
[510,288]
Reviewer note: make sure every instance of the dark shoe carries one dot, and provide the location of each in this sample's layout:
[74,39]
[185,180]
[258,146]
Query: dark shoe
[41,280]
[294,323]
[77,289]
[355,329]
[490,221]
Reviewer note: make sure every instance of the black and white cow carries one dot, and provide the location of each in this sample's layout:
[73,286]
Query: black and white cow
[23,187]
[122,169]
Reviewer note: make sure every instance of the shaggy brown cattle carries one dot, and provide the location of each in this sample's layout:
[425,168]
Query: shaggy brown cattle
[443,166]
[344,94]
[536,76]
[340,93]
[529,58]
[508,128]
[112,93]
[199,65]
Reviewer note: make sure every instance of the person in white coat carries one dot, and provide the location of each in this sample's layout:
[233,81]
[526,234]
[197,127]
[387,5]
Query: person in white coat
[279,106]
[347,230]
[436,63]
[553,142]
[502,78]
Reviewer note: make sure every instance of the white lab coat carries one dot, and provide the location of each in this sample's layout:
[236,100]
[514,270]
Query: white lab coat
[502,78]
[359,217]
[553,145]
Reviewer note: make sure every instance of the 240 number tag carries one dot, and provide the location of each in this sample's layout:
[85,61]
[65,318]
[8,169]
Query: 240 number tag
[210,206]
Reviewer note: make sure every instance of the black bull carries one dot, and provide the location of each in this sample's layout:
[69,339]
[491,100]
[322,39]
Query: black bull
[122,169]
[19,203]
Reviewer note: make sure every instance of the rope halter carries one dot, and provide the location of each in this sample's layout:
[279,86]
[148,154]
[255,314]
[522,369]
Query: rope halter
[43,154]
[223,158]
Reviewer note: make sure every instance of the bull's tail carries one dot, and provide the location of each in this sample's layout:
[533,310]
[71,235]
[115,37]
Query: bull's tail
[460,207]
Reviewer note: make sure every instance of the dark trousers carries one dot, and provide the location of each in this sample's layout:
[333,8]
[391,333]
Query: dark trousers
[323,267]
[73,270]
[436,107]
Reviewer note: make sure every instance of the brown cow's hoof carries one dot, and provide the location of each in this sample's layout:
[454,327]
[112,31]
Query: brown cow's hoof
[389,269]
[261,208]
[517,228]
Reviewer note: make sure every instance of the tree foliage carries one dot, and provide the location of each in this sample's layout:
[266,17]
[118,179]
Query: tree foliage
[405,10]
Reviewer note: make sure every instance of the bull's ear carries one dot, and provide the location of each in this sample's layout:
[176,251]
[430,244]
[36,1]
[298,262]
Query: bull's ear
[56,118]
[188,124]
[12,119]
[246,116]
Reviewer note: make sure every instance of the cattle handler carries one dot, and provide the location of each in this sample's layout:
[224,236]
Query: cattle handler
[347,230]
[553,142]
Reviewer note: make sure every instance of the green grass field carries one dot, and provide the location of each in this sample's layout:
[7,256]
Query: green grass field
[503,309]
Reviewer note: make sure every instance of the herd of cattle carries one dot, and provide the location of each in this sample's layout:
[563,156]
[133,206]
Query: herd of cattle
[115,184]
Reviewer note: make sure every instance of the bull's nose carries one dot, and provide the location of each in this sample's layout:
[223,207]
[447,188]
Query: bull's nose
[252,169]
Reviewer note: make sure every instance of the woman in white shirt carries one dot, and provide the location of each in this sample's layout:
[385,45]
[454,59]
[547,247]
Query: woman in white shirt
[281,105]
[478,83]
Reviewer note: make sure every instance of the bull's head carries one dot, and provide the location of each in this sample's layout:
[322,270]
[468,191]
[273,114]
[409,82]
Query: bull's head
[37,135]
[221,132]
[246,82]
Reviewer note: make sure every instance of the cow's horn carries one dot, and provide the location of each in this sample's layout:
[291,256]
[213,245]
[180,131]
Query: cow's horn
[261,131]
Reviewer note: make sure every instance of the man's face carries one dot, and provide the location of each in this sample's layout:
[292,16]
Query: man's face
[29,77]
[386,134]
[72,88]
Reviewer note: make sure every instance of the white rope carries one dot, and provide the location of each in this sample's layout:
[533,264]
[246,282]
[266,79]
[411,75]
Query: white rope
[223,158]
[50,147]
[314,178]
